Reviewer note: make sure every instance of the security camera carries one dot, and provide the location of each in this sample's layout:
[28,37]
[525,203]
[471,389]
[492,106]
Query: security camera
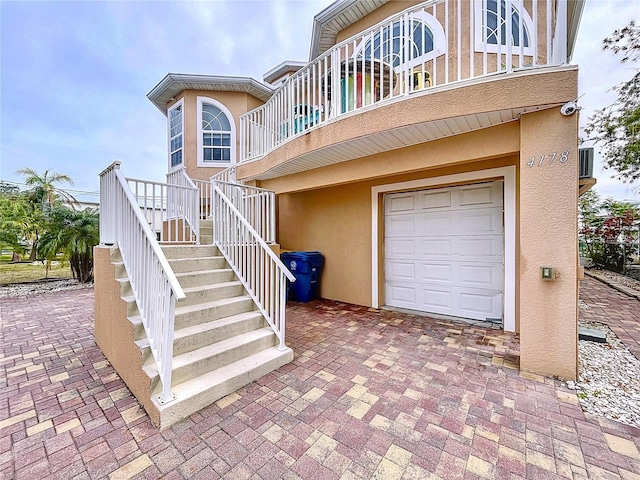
[568,108]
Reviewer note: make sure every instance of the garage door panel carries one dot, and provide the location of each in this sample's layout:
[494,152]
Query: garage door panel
[477,195]
[436,300]
[434,199]
[400,203]
[434,247]
[402,248]
[433,223]
[398,270]
[402,295]
[436,273]
[480,304]
[474,222]
[400,225]
[480,276]
[481,247]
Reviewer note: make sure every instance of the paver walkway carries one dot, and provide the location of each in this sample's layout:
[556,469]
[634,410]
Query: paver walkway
[619,311]
[370,394]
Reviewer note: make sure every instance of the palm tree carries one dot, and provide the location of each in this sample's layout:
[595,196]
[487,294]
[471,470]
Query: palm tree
[44,186]
[73,233]
[44,194]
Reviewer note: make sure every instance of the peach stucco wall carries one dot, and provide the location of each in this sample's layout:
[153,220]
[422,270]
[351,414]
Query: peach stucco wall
[236,102]
[337,222]
[114,333]
[548,236]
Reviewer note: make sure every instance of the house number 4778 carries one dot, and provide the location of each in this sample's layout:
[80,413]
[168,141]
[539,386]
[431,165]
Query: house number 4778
[545,159]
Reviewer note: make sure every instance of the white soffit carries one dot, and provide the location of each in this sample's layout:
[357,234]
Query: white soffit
[174,83]
[395,139]
[335,18]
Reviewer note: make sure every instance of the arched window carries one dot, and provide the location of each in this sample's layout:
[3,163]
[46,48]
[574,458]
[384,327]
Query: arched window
[425,37]
[491,26]
[216,140]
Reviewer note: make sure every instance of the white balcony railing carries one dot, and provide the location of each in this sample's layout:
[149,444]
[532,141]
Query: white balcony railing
[153,283]
[260,270]
[436,43]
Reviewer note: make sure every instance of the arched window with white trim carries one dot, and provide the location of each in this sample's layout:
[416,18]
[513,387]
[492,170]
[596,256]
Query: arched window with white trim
[216,134]
[425,38]
[492,28]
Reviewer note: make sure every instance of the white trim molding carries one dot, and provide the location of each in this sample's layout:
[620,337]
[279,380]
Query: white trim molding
[211,101]
[508,174]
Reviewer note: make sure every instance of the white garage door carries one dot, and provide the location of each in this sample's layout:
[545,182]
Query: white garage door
[444,250]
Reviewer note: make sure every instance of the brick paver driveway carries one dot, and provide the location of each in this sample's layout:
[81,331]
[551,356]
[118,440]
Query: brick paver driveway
[371,394]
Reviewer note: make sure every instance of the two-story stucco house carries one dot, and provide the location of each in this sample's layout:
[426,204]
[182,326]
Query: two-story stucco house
[429,150]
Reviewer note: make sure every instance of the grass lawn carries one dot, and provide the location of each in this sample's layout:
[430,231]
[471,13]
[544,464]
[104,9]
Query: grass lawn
[26,272]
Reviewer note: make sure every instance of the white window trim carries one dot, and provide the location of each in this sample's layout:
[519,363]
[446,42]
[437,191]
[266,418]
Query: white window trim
[439,40]
[527,25]
[179,103]
[509,176]
[232,122]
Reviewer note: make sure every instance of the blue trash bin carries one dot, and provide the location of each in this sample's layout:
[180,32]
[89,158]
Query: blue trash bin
[306,267]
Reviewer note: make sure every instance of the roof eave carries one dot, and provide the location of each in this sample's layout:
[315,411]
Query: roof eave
[174,83]
[573,23]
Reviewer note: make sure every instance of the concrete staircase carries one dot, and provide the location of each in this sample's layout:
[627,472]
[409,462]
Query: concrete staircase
[221,341]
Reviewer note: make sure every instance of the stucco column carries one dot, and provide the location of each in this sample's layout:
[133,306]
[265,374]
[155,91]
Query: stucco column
[548,199]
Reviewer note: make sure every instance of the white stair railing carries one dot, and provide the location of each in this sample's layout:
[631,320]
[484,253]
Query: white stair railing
[154,285]
[181,178]
[259,269]
[257,206]
[172,211]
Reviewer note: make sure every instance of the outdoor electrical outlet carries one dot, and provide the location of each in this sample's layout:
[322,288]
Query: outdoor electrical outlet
[547,273]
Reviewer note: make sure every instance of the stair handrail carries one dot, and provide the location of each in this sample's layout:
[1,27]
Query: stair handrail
[261,272]
[153,283]
[257,206]
[181,177]
[226,175]
[171,209]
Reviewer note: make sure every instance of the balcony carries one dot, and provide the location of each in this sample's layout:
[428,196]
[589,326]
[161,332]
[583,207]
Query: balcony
[434,46]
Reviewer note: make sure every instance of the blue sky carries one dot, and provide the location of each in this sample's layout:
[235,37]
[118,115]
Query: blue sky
[74,75]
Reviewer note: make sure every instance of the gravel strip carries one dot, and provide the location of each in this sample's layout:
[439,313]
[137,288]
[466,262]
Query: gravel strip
[618,278]
[609,378]
[33,288]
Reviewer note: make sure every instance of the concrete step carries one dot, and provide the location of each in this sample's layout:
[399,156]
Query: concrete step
[190,315]
[184,265]
[210,293]
[200,392]
[190,251]
[212,357]
[194,337]
[205,277]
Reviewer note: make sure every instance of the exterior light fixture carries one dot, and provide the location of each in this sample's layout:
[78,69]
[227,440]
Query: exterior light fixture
[547,273]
